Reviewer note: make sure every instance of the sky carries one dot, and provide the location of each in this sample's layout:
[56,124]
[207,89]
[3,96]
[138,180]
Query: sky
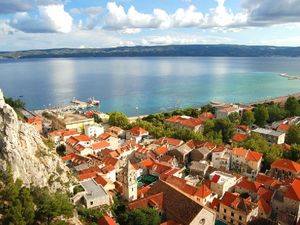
[44,24]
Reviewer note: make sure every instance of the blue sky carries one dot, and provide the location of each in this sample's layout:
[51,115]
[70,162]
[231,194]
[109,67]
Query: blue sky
[39,24]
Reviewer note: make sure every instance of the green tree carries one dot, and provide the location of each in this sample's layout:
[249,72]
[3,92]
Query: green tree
[61,150]
[26,200]
[14,214]
[208,108]
[248,118]
[293,135]
[97,119]
[235,118]
[292,106]
[275,112]
[143,216]
[261,115]
[118,119]
[293,153]
[225,127]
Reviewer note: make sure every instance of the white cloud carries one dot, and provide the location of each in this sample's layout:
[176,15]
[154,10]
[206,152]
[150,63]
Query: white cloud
[12,6]
[118,19]
[50,19]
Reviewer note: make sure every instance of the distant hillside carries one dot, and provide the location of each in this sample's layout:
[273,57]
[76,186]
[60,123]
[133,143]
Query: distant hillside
[170,50]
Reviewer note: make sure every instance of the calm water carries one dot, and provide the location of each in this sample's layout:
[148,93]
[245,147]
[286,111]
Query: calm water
[151,84]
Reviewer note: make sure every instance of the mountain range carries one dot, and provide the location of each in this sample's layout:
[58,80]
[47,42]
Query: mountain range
[168,51]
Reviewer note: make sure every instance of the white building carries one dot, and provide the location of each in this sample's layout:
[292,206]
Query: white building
[94,194]
[221,182]
[271,135]
[224,112]
[93,130]
[221,158]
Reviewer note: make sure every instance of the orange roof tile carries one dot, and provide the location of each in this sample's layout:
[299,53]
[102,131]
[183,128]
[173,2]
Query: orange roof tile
[203,191]
[239,151]
[287,165]
[186,121]
[35,119]
[148,163]
[207,115]
[253,156]
[169,141]
[138,131]
[85,176]
[161,150]
[238,137]
[90,170]
[264,206]
[82,137]
[293,191]
[170,222]
[265,194]
[153,200]
[283,127]
[100,180]
[249,185]
[106,220]
[100,145]
[143,191]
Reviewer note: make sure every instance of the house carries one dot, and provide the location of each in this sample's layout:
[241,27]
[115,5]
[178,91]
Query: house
[37,122]
[239,137]
[272,136]
[221,182]
[283,128]
[233,209]
[268,182]
[180,207]
[198,168]
[285,169]
[170,143]
[202,151]
[105,183]
[224,112]
[99,146]
[201,194]
[137,134]
[249,187]
[60,136]
[111,138]
[94,195]
[264,208]
[70,121]
[117,131]
[221,158]
[247,162]
[93,130]
[286,200]
[186,122]
[80,143]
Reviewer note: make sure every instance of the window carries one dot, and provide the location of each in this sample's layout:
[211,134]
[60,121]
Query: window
[240,218]
[231,220]
[224,210]
[224,217]
[232,214]
[91,203]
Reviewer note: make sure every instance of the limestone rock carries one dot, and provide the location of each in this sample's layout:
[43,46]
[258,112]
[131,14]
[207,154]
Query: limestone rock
[22,148]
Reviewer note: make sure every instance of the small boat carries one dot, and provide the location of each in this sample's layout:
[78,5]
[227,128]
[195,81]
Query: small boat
[283,74]
[93,101]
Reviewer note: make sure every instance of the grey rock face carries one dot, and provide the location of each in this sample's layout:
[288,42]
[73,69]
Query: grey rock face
[22,148]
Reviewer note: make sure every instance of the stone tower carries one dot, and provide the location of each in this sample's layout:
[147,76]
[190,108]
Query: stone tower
[129,182]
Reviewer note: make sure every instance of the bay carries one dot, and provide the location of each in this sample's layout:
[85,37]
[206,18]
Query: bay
[143,85]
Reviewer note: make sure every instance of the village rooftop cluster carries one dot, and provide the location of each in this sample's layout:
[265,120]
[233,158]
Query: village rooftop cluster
[187,182]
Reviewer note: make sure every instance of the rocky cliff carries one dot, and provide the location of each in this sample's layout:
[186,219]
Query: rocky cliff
[22,148]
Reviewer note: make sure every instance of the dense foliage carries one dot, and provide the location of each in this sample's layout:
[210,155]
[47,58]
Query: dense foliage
[20,205]
[118,119]
[293,135]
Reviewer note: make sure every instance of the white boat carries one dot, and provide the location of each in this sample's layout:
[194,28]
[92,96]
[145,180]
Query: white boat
[93,101]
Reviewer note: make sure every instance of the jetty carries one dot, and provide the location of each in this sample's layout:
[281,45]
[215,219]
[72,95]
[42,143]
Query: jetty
[289,77]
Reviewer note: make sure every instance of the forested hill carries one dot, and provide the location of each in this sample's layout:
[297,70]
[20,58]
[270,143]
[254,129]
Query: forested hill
[170,50]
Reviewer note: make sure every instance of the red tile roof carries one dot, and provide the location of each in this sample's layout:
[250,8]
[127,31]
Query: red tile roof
[169,141]
[293,191]
[249,185]
[186,121]
[253,156]
[207,115]
[265,194]
[170,222]
[153,200]
[82,137]
[264,206]
[100,145]
[100,180]
[90,170]
[238,137]
[215,178]
[267,181]
[143,191]
[106,220]
[34,120]
[283,127]
[161,150]
[239,151]
[138,131]
[287,165]
[87,175]
[148,163]
[203,191]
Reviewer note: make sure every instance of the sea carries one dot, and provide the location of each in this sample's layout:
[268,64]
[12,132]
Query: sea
[144,85]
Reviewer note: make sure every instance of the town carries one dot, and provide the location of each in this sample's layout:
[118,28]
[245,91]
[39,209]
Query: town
[223,163]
